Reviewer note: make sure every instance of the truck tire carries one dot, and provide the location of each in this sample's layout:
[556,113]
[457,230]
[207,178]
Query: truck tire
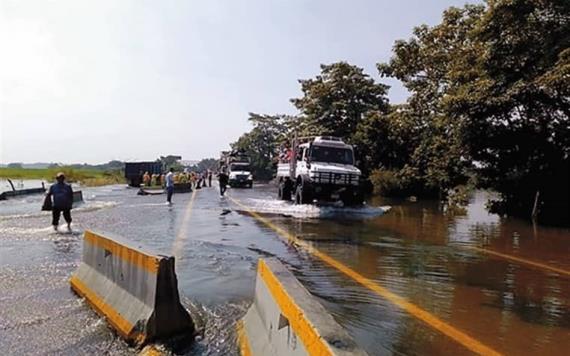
[303,195]
[284,191]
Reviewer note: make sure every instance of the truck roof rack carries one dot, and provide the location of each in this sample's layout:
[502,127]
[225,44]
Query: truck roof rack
[328,138]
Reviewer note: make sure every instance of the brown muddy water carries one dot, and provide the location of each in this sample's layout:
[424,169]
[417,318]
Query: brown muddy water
[502,282]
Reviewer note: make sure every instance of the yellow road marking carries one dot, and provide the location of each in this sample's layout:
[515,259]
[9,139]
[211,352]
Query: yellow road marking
[423,315]
[243,342]
[182,232]
[304,328]
[151,350]
[138,258]
[520,260]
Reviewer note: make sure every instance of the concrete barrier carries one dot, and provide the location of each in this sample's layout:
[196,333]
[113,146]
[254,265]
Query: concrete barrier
[136,291]
[78,196]
[285,319]
[15,193]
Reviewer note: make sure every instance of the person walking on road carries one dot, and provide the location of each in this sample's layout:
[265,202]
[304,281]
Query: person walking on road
[169,183]
[210,178]
[205,179]
[62,195]
[223,180]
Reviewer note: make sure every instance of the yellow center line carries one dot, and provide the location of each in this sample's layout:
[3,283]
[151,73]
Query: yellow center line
[419,313]
[182,232]
[520,260]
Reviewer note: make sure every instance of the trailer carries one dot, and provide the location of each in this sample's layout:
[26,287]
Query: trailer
[134,171]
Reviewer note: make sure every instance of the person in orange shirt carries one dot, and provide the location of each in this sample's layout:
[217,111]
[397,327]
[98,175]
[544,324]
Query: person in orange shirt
[146,179]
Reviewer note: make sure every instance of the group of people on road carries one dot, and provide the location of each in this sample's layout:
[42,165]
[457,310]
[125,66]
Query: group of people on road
[152,179]
[198,180]
[59,197]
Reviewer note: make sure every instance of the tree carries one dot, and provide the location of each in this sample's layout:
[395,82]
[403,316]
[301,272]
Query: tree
[262,142]
[514,101]
[206,164]
[435,159]
[171,161]
[338,100]
[15,165]
[115,165]
[491,84]
[385,140]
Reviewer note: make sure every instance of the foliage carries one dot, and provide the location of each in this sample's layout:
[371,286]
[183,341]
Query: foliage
[337,100]
[386,182]
[205,165]
[262,142]
[438,159]
[513,98]
[15,165]
[88,177]
[171,161]
[109,166]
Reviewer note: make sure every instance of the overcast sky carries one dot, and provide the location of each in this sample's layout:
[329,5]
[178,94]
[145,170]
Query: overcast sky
[91,81]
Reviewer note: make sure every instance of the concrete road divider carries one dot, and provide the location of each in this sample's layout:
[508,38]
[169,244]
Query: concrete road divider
[136,291]
[285,319]
[77,196]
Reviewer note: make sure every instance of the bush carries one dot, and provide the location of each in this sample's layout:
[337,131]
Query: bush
[386,182]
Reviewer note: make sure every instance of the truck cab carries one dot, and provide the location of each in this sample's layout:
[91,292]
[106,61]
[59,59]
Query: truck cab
[237,165]
[240,175]
[320,169]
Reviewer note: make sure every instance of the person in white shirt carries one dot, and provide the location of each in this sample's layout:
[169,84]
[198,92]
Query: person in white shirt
[169,183]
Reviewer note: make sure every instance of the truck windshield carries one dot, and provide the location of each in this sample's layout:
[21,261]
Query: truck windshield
[331,155]
[239,167]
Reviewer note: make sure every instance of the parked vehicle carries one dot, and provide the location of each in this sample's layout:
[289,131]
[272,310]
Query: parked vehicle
[238,168]
[319,169]
[134,171]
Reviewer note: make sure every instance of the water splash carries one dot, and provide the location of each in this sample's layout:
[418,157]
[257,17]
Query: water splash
[278,207]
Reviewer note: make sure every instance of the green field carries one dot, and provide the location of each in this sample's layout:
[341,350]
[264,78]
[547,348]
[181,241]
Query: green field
[87,177]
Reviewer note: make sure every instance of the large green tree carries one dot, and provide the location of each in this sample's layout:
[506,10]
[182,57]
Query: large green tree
[337,100]
[436,159]
[492,84]
[514,100]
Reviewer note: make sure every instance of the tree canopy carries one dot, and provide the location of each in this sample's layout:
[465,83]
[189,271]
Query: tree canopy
[337,100]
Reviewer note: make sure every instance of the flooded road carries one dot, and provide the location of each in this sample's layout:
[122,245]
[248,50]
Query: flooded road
[500,282]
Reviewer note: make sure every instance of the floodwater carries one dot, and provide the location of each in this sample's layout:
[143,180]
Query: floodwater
[501,282]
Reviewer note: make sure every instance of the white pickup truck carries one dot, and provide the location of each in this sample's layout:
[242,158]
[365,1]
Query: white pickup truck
[320,169]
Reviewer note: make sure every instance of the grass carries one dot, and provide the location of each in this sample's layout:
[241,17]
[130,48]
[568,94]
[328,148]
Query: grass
[86,177]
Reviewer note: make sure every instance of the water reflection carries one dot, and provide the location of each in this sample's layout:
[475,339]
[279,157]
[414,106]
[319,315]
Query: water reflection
[423,254]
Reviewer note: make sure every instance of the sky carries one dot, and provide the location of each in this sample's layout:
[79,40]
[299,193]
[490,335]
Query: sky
[92,81]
